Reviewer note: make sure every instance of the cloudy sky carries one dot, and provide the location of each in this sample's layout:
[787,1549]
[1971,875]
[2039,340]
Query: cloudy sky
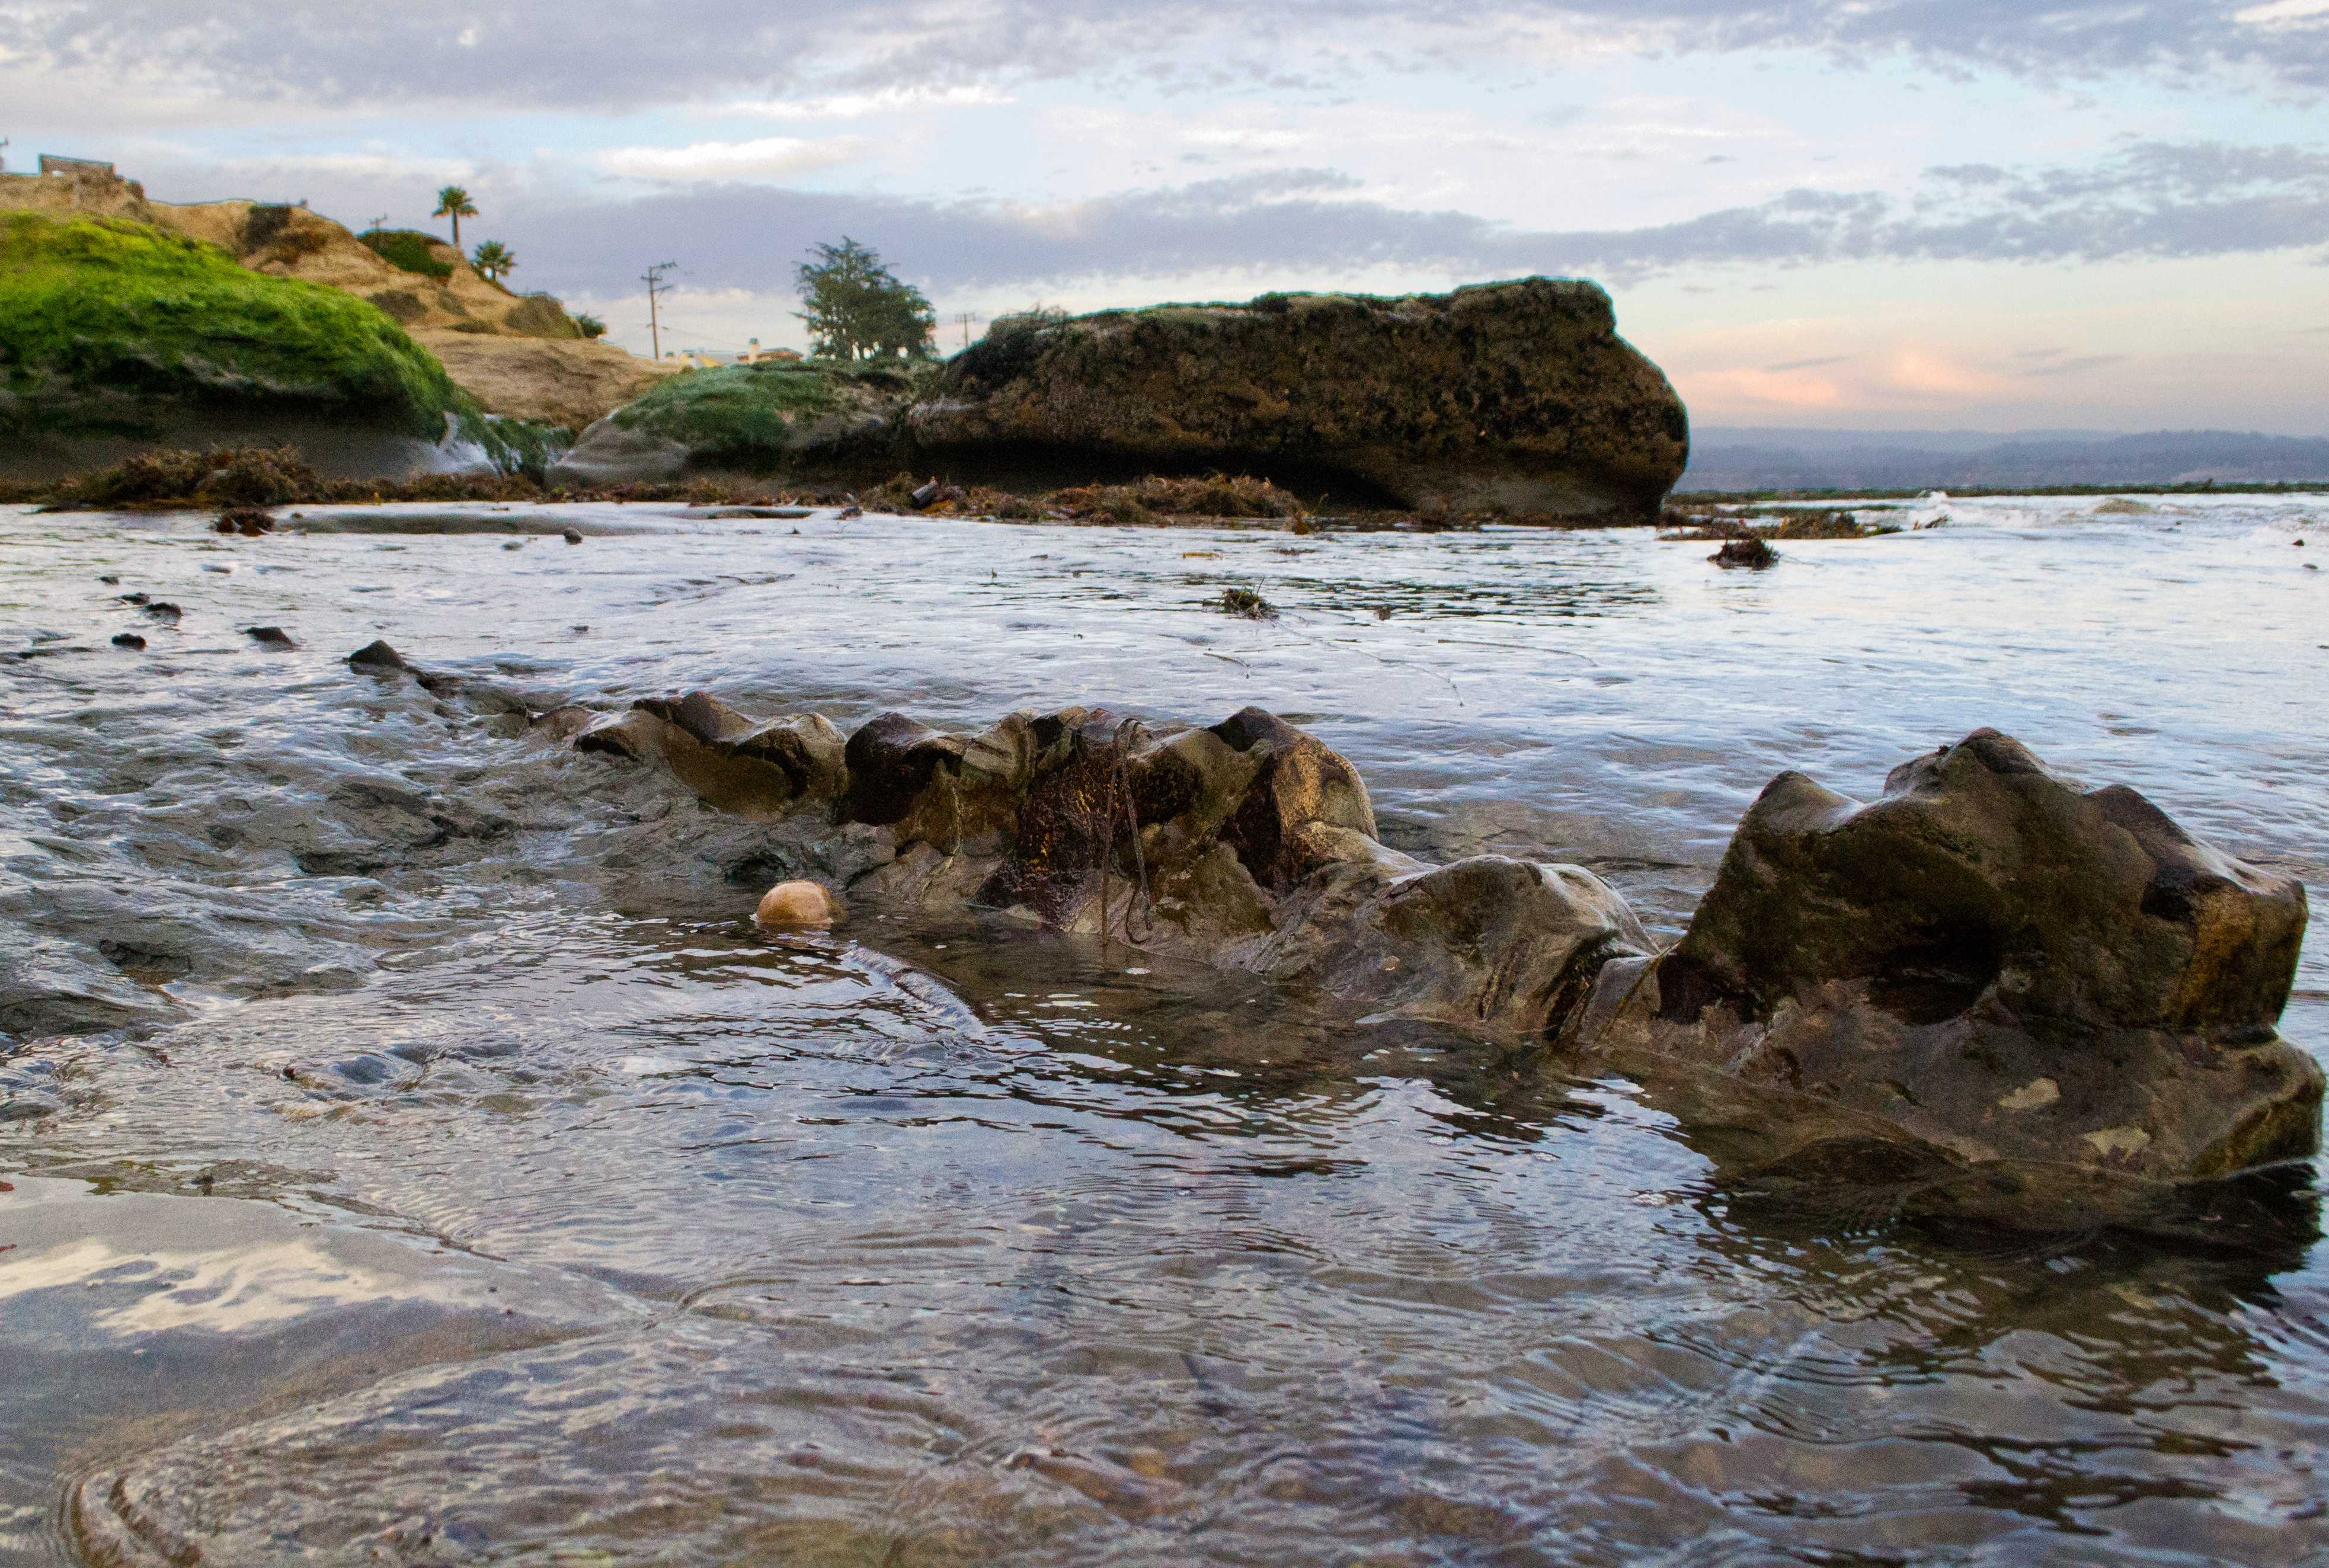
[1995,214]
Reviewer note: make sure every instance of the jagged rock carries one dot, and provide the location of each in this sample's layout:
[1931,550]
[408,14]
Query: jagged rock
[377,656]
[272,636]
[1988,968]
[1994,963]
[1249,843]
[1255,781]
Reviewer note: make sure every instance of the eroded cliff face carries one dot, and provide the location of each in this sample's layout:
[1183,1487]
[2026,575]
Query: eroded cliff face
[1518,398]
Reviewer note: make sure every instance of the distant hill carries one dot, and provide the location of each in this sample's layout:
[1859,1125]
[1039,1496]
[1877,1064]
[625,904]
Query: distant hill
[1752,458]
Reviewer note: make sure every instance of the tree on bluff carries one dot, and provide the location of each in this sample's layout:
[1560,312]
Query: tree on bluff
[858,309]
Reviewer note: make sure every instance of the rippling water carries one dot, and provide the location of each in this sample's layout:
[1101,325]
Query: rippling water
[412,1154]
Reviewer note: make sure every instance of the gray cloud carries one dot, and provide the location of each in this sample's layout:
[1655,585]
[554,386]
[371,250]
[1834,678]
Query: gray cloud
[2154,200]
[617,53]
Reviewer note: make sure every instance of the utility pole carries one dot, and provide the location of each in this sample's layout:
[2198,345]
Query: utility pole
[4,162]
[380,224]
[657,286]
[965,320]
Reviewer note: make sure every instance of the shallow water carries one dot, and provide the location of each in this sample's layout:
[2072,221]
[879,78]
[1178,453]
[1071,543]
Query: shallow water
[414,1157]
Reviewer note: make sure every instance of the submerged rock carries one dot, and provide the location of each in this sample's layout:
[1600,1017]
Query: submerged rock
[1748,552]
[1996,964]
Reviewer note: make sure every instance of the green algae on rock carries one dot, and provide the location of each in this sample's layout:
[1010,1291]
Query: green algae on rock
[787,416]
[109,327]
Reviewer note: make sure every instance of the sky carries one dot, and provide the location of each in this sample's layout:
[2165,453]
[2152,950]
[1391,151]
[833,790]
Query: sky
[1975,214]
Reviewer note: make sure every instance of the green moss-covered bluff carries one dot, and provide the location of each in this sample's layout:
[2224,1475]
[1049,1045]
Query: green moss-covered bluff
[1515,397]
[800,417]
[108,325]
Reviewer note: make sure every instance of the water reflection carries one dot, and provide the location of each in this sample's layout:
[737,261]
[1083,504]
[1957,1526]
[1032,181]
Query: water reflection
[437,1168]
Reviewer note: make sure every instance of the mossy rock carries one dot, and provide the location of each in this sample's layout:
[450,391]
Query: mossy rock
[776,416]
[108,325]
[1517,398]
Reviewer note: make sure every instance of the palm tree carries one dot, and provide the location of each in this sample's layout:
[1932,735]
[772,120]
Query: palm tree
[453,202]
[492,259]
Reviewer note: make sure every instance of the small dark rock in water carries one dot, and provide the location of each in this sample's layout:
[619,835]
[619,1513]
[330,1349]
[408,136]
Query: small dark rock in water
[250,522]
[1752,552]
[223,526]
[378,655]
[128,639]
[1245,602]
[109,578]
[574,536]
[132,598]
[162,609]
[853,511]
[270,636]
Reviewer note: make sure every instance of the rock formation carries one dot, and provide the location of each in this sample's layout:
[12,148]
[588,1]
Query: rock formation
[1518,398]
[1985,969]
[803,420]
[1995,963]
[1513,399]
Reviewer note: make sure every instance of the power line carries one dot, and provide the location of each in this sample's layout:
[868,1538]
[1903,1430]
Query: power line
[653,279]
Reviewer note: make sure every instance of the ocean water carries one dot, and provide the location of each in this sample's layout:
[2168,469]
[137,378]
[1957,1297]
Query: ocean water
[410,1153]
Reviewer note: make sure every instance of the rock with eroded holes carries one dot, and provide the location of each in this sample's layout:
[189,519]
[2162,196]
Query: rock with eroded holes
[1986,968]
[1995,963]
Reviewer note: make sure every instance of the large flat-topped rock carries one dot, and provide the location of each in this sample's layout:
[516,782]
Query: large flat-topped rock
[1517,397]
